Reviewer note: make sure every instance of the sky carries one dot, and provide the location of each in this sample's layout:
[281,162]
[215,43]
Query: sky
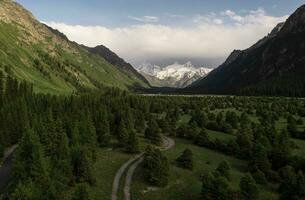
[164,31]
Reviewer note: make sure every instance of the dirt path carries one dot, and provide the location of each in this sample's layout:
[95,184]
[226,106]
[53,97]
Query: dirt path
[168,143]
[119,174]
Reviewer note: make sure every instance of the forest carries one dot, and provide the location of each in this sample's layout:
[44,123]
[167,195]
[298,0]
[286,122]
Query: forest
[60,140]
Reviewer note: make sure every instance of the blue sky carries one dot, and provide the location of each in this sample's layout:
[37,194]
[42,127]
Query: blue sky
[164,31]
[118,12]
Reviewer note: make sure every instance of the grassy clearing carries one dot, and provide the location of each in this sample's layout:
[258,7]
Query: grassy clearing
[220,135]
[185,184]
[107,164]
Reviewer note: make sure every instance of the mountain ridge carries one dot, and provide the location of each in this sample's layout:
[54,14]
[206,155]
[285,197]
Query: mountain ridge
[174,75]
[33,52]
[115,60]
[272,66]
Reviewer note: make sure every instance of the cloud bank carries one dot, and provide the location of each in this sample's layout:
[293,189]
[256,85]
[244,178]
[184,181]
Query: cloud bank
[209,36]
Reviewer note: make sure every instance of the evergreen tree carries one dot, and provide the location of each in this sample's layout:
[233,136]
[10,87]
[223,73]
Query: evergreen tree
[29,161]
[153,133]
[224,169]
[215,187]
[186,159]
[156,167]
[202,139]
[26,191]
[103,130]
[260,177]
[293,187]
[82,165]
[249,188]
[122,134]
[133,143]
[82,192]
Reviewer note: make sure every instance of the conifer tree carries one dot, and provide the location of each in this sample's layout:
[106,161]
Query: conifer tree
[224,169]
[29,162]
[133,143]
[186,159]
[82,165]
[122,134]
[249,188]
[153,132]
[82,192]
[156,167]
[202,139]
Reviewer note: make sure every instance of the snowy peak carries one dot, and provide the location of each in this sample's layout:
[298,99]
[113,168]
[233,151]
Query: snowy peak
[175,75]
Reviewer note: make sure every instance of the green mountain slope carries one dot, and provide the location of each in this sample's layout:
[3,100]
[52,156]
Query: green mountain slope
[118,62]
[273,66]
[31,51]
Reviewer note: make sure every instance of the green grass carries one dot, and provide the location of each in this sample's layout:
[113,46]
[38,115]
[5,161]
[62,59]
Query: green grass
[184,119]
[107,164]
[213,135]
[185,184]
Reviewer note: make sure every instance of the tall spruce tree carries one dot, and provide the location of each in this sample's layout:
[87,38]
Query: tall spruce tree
[153,132]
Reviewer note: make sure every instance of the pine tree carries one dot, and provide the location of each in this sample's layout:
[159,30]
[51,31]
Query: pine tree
[82,192]
[133,143]
[82,165]
[153,133]
[122,134]
[249,188]
[293,187]
[30,164]
[156,167]
[26,191]
[186,159]
[224,169]
[215,187]
[202,139]
[29,161]
[103,130]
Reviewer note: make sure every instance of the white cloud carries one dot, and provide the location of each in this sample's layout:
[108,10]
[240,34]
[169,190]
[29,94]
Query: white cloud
[170,15]
[209,38]
[146,19]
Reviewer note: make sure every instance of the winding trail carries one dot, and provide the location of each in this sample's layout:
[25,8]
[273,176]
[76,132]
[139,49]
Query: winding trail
[168,143]
[119,174]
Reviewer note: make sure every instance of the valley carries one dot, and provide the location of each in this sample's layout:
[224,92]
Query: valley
[78,122]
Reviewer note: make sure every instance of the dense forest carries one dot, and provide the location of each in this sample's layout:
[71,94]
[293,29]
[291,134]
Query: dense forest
[58,138]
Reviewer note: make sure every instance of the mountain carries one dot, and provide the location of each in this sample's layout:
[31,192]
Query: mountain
[273,66]
[175,75]
[118,62]
[31,51]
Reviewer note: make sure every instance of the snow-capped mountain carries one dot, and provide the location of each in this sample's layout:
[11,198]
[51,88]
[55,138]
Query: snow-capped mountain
[175,75]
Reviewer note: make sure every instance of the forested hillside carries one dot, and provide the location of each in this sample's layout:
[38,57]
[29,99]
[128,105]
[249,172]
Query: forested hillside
[33,52]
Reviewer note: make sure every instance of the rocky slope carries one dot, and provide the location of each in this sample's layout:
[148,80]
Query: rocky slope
[273,66]
[118,62]
[33,52]
[175,75]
